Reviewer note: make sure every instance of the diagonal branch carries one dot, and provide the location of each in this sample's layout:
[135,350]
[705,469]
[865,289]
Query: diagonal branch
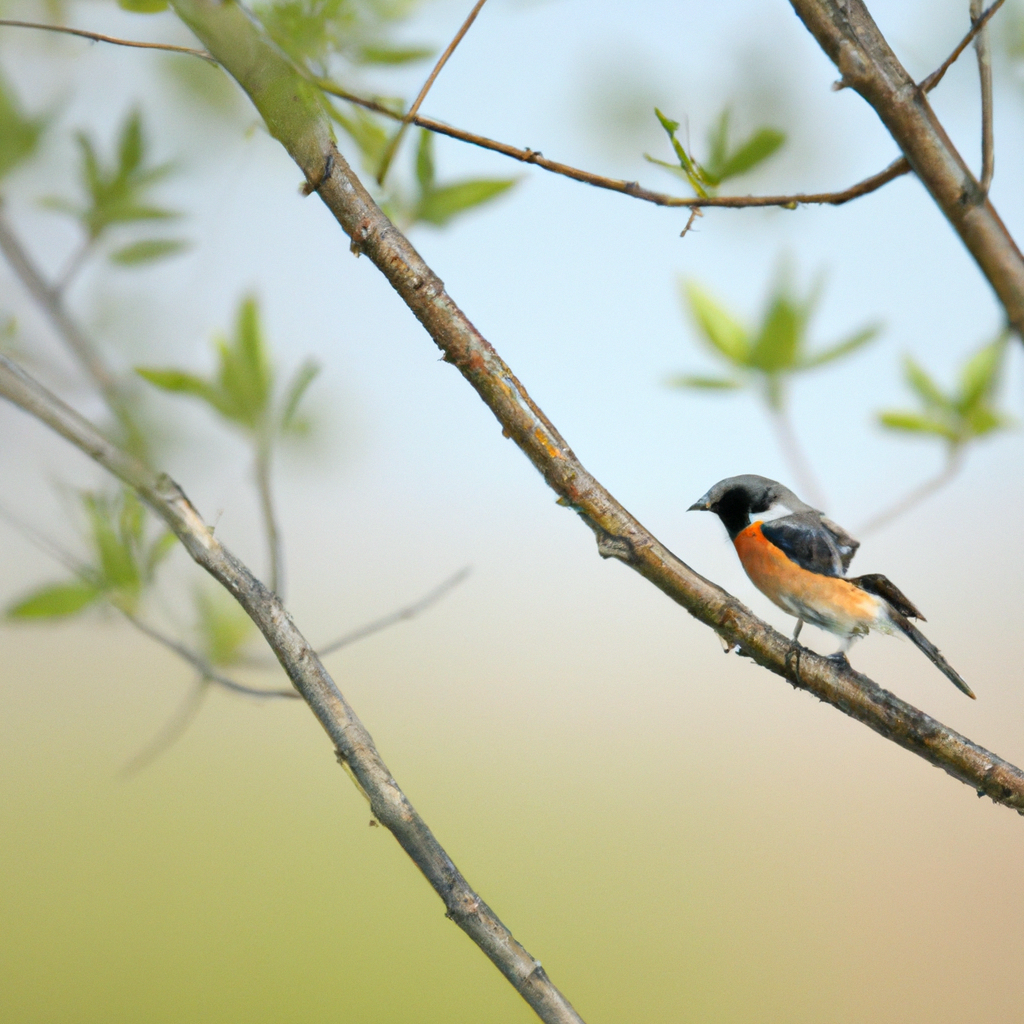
[393,145]
[847,33]
[619,534]
[353,744]
[981,47]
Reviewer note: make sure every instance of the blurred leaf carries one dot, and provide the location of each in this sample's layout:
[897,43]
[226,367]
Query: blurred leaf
[223,627]
[704,383]
[117,562]
[727,335]
[147,250]
[178,380]
[440,205]
[916,423]
[391,55]
[843,348]
[245,376]
[758,148]
[980,376]
[304,376]
[115,194]
[366,132]
[143,6]
[778,342]
[57,600]
[159,550]
[19,135]
[923,385]
[425,161]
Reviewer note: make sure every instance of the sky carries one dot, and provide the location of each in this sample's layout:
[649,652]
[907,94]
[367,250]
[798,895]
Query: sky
[675,834]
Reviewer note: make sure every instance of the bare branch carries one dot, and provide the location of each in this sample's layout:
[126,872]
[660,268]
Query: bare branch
[847,33]
[393,145]
[204,668]
[353,744]
[97,37]
[953,466]
[977,25]
[410,611]
[988,152]
[629,188]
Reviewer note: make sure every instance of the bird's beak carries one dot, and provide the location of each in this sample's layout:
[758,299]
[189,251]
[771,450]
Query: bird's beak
[701,505]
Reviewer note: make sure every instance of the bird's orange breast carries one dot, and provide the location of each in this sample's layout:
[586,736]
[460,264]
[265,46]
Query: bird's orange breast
[830,602]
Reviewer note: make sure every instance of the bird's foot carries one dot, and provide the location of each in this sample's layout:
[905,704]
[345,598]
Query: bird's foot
[840,658]
[793,656]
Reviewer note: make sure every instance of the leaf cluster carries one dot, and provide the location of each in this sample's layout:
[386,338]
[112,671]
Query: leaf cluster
[123,562]
[724,161]
[769,354]
[242,389]
[962,414]
[117,193]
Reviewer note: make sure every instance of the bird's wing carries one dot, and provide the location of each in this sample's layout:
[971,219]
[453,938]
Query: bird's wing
[806,540]
[845,544]
[876,583]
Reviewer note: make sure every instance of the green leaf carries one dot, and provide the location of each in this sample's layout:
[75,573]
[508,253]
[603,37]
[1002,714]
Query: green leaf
[180,381]
[778,342]
[223,627]
[391,55]
[717,325]
[130,147]
[425,161]
[116,557]
[916,423]
[982,420]
[304,376]
[366,132]
[718,147]
[690,167]
[244,377]
[147,250]
[843,348]
[704,383]
[927,390]
[19,135]
[758,148]
[442,204]
[979,377]
[143,6]
[55,601]
[158,551]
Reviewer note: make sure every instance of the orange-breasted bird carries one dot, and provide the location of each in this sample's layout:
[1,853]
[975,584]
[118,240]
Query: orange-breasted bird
[798,559]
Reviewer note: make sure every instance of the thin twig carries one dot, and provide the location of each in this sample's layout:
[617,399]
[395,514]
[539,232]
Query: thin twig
[200,664]
[410,611]
[630,188]
[794,454]
[171,731]
[73,266]
[261,471]
[988,152]
[953,466]
[393,145]
[97,37]
[929,83]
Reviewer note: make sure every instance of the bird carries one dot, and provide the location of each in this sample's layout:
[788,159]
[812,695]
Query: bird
[798,558]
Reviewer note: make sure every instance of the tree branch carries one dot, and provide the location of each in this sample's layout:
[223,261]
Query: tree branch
[393,145]
[988,150]
[353,744]
[261,471]
[847,33]
[619,535]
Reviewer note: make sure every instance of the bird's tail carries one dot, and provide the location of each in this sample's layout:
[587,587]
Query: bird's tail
[932,652]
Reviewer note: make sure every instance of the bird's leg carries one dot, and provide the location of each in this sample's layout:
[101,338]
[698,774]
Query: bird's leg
[799,626]
[840,655]
[794,650]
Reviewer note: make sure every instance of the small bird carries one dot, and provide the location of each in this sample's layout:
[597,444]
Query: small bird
[798,559]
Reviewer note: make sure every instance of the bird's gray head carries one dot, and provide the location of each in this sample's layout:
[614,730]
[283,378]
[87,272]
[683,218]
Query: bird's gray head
[736,498]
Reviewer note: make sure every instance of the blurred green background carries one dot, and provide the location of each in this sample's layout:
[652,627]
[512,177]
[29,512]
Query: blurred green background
[676,835]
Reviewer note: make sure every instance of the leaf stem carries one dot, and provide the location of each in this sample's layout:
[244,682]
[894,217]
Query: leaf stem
[954,463]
